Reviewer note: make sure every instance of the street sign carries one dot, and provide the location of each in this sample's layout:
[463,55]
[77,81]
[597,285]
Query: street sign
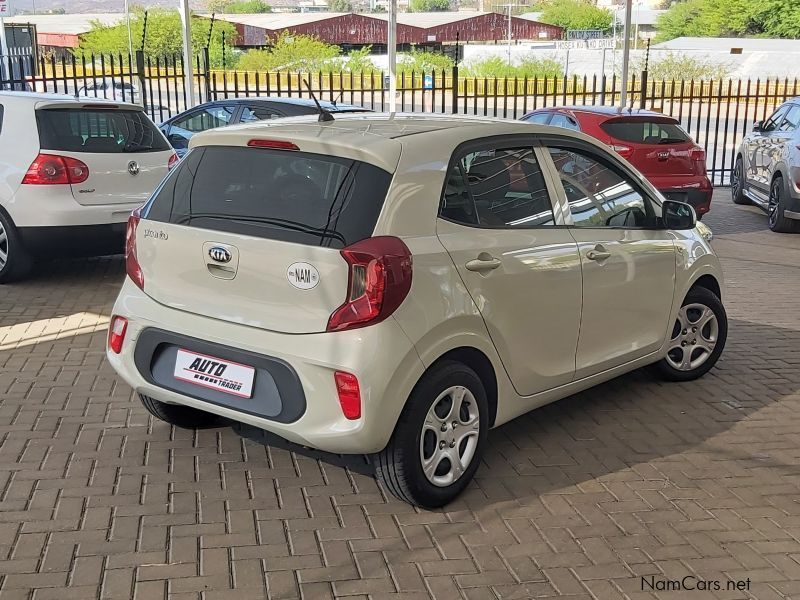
[605,43]
[584,34]
[6,8]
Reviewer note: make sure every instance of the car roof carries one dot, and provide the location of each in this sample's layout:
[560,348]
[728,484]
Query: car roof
[375,138]
[611,111]
[43,100]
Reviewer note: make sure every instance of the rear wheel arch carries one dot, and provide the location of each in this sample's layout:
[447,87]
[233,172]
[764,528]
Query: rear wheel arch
[480,363]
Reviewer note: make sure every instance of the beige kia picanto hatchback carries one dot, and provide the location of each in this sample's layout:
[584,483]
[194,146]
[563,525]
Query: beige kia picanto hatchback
[396,286]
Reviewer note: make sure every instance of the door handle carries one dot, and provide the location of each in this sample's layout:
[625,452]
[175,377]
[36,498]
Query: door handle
[598,253]
[484,262]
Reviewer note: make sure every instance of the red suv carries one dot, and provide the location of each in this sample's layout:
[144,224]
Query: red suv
[653,143]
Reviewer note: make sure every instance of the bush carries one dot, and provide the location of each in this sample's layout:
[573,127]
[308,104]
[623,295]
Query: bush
[497,66]
[420,61]
[678,67]
[306,54]
[575,14]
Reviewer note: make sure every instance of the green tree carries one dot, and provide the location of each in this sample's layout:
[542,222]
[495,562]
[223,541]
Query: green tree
[163,36]
[775,18]
[428,5]
[420,61]
[245,7]
[292,53]
[342,6]
[575,14]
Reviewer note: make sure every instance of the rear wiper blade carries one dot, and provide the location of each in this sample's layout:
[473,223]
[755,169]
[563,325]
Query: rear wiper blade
[285,223]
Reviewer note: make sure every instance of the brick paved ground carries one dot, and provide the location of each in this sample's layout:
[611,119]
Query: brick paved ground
[577,500]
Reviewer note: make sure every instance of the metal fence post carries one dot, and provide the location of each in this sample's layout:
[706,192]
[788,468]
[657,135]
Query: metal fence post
[206,73]
[141,75]
[455,90]
[643,96]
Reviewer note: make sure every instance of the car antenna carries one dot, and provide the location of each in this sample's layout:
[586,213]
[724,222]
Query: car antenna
[335,102]
[324,115]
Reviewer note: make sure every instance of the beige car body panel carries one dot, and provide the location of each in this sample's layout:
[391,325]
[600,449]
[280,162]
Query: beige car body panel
[440,314]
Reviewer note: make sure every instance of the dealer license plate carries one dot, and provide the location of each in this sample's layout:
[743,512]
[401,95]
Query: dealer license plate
[215,373]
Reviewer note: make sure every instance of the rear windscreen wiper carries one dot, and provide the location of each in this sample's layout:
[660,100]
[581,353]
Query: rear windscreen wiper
[284,223]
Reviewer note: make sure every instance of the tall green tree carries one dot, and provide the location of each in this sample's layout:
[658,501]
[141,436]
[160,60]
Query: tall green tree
[575,14]
[238,6]
[428,5]
[163,36]
[342,6]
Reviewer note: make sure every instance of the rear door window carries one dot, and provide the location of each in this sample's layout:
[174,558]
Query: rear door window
[297,197]
[645,132]
[98,130]
[258,113]
[565,121]
[183,129]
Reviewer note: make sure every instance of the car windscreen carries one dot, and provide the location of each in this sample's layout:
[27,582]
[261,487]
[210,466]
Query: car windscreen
[101,130]
[641,131]
[298,197]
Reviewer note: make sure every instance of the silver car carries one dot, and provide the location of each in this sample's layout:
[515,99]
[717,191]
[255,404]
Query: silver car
[767,168]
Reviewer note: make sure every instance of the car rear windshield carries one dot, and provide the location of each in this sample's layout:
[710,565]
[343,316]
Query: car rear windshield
[298,197]
[98,130]
[645,132]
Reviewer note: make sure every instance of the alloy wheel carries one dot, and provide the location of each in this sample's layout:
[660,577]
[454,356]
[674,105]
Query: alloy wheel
[694,337]
[3,246]
[449,436]
[736,179]
[774,203]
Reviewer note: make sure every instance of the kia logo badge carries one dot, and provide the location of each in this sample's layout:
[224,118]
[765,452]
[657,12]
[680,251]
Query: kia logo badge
[133,168]
[219,254]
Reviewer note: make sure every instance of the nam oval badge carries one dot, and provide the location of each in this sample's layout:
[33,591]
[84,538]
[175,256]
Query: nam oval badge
[302,275]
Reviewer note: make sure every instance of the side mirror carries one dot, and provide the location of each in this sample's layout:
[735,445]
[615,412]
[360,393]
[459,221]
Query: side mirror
[758,126]
[678,215]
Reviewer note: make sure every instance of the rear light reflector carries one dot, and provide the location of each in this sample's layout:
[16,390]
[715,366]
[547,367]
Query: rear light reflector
[52,169]
[623,151]
[378,282]
[132,267]
[116,333]
[273,144]
[173,160]
[349,394]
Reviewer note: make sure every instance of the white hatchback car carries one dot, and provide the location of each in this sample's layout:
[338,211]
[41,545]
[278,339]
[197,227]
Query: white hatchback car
[71,172]
[397,286]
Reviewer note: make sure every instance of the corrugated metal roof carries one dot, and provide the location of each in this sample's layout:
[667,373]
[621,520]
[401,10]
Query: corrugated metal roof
[67,24]
[273,21]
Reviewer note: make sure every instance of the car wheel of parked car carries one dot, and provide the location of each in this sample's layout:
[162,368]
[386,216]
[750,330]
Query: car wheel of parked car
[439,438]
[181,416]
[15,262]
[737,183]
[777,222]
[698,337]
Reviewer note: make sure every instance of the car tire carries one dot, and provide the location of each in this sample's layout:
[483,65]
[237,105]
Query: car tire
[178,415]
[776,206]
[737,183]
[415,442]
[703,311]
[15,262]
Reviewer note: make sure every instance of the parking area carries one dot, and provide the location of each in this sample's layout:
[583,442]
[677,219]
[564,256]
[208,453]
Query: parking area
[617,492]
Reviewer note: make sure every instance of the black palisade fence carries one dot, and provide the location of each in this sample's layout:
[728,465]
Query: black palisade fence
[717,113]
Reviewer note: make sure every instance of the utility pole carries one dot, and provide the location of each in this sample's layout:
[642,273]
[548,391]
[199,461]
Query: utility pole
[188,71]
[626,54]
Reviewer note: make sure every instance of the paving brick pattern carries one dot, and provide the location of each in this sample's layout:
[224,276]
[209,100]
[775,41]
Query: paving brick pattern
[581,499]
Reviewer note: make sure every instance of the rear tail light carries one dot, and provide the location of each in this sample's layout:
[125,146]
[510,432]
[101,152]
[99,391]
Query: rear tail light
[349,393]
[173,160]
[51,169]
[116,333]
[132,267]
[698,157]
[623,151]
[378,282]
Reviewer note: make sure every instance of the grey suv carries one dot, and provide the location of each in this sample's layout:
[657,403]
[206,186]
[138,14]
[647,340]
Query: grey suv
[767,168]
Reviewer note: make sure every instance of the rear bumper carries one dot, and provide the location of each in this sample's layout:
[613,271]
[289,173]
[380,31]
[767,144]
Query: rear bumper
[73,241]
[304,406]
[54,206]
[696,190]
